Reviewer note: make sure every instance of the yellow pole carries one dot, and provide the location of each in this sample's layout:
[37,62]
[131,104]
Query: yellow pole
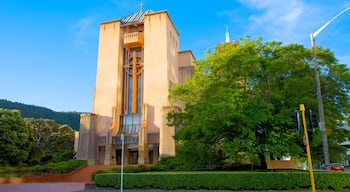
[134,83]
[302,109]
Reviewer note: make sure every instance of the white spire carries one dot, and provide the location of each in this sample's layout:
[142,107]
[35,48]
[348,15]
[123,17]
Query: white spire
[227,34]
[141,6]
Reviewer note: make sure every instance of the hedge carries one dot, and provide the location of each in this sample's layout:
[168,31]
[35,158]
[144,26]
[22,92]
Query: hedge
[54,168]
[224,180]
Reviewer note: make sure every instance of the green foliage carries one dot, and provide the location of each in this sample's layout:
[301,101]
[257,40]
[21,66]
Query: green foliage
[63,166]
[65,155]
[15,138]
[41,130]
[127,169]
[136,169]
[93,175]
[214,180]
[48,158]
[239,102]
[60,167]
[32,141]
[51,139]
[61,141]
[166,164]
[31,111]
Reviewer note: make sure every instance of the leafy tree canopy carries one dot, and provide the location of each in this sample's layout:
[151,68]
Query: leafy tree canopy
[15,140]
[41,130]
[239,102]
[61,141]
[28,140]
[50,137]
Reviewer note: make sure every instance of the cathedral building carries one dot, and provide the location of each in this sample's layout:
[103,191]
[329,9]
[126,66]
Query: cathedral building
[139,60]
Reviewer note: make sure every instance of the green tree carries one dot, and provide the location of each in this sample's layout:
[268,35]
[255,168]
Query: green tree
[41,130]
[52,141]
[61,141]
[15,140]
[238,104]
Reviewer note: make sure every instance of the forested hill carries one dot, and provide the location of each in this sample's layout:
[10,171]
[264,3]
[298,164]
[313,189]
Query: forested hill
[70,118]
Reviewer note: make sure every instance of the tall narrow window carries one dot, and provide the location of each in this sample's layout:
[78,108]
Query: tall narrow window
[133,68]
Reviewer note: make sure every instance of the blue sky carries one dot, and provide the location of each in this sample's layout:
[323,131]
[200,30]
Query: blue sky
[48,48]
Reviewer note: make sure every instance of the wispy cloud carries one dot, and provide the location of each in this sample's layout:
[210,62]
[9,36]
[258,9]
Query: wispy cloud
[275,19]
[86,28]
[292,21]
[288,21]
[276,11]
[128,6]
[83,29]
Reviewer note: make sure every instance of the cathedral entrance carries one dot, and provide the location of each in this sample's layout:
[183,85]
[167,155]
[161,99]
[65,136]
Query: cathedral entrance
[130,157]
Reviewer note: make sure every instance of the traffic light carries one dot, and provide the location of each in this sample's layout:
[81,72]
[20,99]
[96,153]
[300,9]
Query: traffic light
[312,119]
[309,134]
[296,120]
[312,123]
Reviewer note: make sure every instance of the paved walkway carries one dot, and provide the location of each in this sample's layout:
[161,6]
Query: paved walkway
[42,187]
[79,187]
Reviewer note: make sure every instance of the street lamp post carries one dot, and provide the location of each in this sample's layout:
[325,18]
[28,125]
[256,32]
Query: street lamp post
[122,163]
[322,124]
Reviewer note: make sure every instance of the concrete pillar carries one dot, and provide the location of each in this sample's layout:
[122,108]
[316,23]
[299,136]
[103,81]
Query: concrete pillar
[143,145]
[166,140]
[143,154]
[126,155]
[110,158]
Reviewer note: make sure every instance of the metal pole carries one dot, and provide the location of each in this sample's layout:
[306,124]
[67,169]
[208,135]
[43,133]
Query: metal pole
[320,107]
[307,145]
[322,124]
[122,163]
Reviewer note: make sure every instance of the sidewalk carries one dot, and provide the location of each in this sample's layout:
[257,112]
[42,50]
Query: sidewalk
[43,187]
[79,187]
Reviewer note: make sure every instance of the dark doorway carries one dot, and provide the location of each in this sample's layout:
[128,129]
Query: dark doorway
[133,157]
[150,156]
[118,155]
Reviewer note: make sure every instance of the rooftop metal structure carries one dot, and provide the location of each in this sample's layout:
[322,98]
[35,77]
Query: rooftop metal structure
[134,18]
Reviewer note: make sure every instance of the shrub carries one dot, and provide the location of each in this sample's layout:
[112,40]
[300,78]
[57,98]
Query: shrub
[46,159]
[60,167]
[33,162]
[225,180]
[65,155]
[166,164]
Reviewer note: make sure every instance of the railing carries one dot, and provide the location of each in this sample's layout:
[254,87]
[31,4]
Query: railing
[128,139]
[135,38]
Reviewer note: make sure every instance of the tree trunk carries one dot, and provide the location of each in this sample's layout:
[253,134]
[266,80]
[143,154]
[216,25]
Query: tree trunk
[263,164]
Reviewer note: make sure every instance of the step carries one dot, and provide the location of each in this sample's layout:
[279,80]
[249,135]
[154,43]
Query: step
[84,174]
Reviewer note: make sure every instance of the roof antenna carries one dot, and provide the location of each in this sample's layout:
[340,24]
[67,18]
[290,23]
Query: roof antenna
[227,34]
[141,6]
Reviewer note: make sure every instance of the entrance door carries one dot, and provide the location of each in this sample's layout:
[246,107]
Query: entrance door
[133,157]
[150,156]
[101,155]
[118,154]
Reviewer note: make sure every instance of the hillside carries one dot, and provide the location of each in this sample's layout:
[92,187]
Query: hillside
[70,118]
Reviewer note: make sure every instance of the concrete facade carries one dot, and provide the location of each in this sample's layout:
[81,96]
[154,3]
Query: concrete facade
[139,60]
